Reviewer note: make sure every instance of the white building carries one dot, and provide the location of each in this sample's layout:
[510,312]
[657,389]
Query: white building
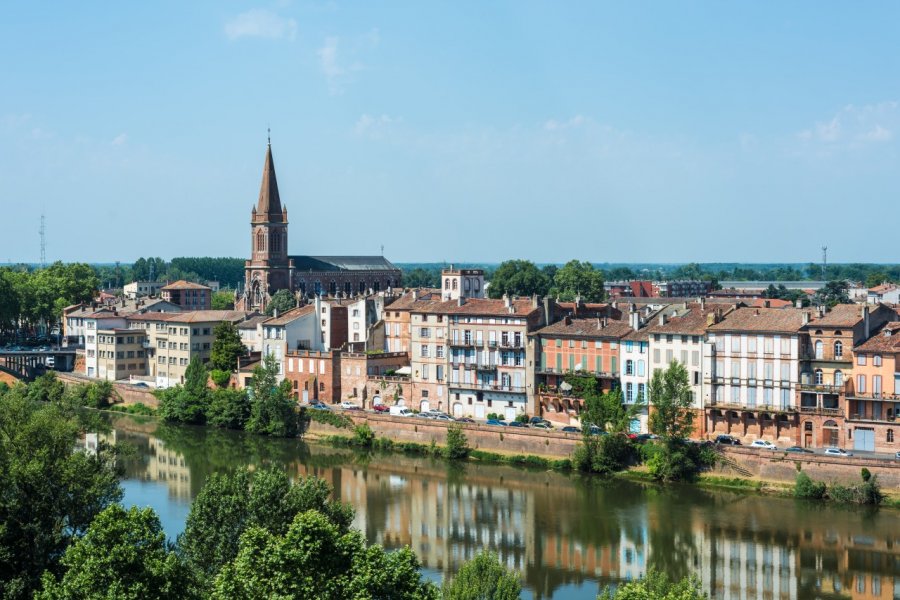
[92,324]
[296,329]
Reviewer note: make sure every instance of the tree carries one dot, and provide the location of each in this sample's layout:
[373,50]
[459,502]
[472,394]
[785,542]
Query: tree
[49,494]
[228,408]
[578,278]
[656,586]
[124,555]
[518,278]
[228,504]
[187,403]
[315,559]
[422,278]
[671,397]
[282,301]
[832,293]
[876,278]
[226,347]
[457,444]
[223,300]
[272,409]
[483,578]
[608,412]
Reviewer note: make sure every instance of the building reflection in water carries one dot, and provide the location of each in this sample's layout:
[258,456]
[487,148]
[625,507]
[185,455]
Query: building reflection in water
[565,533]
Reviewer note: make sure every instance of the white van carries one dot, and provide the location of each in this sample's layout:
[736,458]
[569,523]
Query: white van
[401,411]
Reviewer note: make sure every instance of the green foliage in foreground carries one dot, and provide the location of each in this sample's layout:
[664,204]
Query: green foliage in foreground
[457,444]
[336,420]
[603,454]
[124,554]
[807,489]
[656,586]
[867,492]
[483,578]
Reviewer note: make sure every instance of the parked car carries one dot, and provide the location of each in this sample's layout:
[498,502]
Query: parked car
[570,429]
[140,384]
[465,420]
[401,411]
[535,420]
[763,444]
[381,408]
[495,422]
[645,437]
[837,452]
[542,425]
[319,406]
[727,440]
[347,405]
[442,417]
[517,424]
[798,450]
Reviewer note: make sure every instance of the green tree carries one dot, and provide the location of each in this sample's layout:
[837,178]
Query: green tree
[656,586]
[316,560]
[577,278]
[187,403]
[272,409]
[10,309]
[49,494]
[282,301]
[226,347]
[228,408]
[608,412]
[223,300]
[228,504]
[122,555]
[876,278]
[832,293]
[483,578]
[518,278]
[670,394]
[457,444]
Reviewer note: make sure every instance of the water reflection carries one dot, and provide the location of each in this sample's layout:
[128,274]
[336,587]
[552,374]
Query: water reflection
[569,537]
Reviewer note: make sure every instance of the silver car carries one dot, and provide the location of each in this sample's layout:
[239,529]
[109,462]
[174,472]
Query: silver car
[837,452]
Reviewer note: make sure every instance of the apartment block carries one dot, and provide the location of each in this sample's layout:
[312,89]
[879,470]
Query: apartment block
[873,393]
[121,353]
[397,327]
[188,295]
[315,375]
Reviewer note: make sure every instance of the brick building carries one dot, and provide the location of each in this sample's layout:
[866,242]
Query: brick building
[187,295]
[873,393]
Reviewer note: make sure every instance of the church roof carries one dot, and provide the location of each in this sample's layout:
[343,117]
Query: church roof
[342,263]
[269,206]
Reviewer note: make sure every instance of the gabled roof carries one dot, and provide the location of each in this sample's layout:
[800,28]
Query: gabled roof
[291,315]
[693,320]
[840,315]
[342,263]
[193,316]
[488,307]
[268,208]
[762,320]
[886,340]
[414,299]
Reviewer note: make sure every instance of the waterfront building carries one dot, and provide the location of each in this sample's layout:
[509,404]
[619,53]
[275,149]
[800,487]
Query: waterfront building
[873,393]
[397,328]
[751,371]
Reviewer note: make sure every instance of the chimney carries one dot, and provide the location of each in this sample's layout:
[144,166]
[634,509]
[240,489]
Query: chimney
[866,324]
[567,320]
[534,301]
[799,303]
[634,319]
[460,301]
[711,319]
[599,323]
[632,307]
[415,295]
[663,319]
[805,317]
[702,301]
[614,304]
[506,301]
[766,304]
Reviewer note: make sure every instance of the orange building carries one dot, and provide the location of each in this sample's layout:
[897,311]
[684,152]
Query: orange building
[397,328]
[873,394]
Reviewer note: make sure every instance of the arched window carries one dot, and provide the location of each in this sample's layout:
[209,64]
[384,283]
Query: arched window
[838,349]
[819,349]
[362,287]
[468,284]
[447,284]
[454,284]
[838,378]
[819,377]
[260,241]
[276,241]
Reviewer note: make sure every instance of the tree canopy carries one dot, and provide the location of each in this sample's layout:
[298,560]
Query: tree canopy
[282,301]
[578,279]
[483,578]
[518,278]
[226,347]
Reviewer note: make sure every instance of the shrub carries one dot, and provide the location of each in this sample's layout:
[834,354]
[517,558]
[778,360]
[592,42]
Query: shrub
[220,378]
[867,493]
[806,488]
[522,418]
[657,586]
[327,417]
[363,436]
[133,409]
[865,474]
[457,444]
[494,416]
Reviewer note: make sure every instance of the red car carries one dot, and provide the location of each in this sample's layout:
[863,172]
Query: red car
[382,408]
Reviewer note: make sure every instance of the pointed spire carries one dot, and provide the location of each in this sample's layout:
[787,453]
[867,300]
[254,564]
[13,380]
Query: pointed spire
[269,205]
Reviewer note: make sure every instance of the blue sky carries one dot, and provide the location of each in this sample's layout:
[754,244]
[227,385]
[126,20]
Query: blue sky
[667,131]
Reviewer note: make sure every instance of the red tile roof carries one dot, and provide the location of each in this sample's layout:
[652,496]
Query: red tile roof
[762,320]
[591,328]
[181,284]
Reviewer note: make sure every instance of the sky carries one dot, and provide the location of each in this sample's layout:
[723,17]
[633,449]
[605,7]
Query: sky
[453,131]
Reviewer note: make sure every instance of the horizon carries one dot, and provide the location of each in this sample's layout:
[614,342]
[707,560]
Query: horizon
[700,132]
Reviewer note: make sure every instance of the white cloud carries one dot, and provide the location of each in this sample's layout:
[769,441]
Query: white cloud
[374,126]
[119,139]
[555,125]
[338,58]
[854,126]
[261,23]
[328,59]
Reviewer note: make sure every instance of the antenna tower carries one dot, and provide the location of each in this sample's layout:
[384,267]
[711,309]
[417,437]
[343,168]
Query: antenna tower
[824,261]
[43,243]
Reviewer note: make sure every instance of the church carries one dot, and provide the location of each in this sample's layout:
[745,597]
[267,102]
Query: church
[271,268]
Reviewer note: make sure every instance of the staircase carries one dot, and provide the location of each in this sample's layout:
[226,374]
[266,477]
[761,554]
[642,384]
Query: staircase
[731,463]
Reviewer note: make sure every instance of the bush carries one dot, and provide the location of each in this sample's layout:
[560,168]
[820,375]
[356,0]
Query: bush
[494,416]
[865,474]
[327,417]
[133,409]
[866,493]
[806,488]
[220,378]
[656,586]
[603,454]
[457,444]
[363,436]
[522,418]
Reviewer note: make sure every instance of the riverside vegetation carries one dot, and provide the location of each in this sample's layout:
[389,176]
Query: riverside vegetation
[248,534]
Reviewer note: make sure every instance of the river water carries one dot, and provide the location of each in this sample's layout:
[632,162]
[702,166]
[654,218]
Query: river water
[569,536]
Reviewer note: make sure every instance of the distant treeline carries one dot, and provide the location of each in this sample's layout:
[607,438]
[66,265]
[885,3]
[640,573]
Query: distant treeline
[229,272]
[428,274]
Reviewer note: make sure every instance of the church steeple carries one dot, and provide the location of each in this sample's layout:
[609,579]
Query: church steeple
[268,208]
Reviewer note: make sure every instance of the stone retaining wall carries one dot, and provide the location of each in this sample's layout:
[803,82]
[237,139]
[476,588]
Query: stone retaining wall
[126,394]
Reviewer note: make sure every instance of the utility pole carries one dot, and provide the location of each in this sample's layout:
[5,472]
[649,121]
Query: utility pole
[824,261]
[43,243]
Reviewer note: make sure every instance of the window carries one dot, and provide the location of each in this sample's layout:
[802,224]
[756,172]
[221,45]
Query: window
[819,377]
[838,378]
[629,368]
[640,368]
[861,360]
[640,392]
[439,352]
[769,344]
[735,343]
[751,344]
[860,384]
[425,332]
[629,390]
[424,351]
[838,349]
[819,351]
[890,436]
[876,360]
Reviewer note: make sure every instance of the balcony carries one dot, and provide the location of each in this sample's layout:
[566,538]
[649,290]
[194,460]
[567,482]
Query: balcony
[822,388]
[873,396]
[821,410]
[751,408]
[486,366]
[463,343]
[490,387]
[511,345]
[872,418]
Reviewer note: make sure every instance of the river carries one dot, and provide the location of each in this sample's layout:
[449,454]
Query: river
[569,536]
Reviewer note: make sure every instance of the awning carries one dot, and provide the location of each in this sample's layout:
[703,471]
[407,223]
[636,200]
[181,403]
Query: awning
[403,371]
